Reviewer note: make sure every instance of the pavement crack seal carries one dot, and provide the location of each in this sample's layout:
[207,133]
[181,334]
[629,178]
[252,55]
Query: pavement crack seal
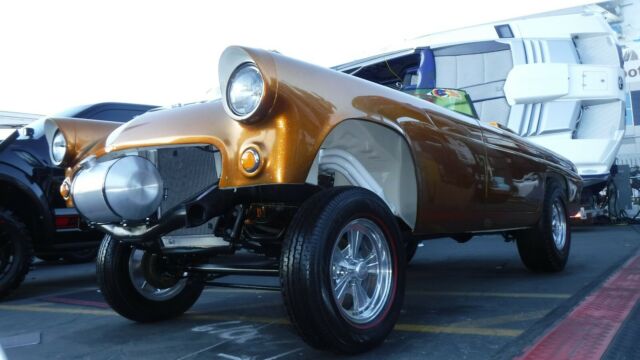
[590,327]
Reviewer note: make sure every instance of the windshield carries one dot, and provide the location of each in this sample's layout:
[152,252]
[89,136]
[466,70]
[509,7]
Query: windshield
[414,74]
[452,99]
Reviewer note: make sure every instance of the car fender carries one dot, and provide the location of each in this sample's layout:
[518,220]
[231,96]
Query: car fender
[35,196]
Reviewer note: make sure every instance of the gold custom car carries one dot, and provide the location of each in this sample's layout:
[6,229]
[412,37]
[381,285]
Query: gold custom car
[334,177]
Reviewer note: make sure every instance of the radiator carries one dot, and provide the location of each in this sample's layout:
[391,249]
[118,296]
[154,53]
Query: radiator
[186,172]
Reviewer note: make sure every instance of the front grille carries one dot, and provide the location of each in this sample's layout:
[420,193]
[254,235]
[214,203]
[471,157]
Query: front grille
[186,172]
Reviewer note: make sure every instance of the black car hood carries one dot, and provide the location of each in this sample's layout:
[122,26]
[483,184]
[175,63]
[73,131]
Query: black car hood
[10,139]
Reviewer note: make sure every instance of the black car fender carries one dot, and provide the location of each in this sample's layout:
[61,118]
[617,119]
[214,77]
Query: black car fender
[34,209]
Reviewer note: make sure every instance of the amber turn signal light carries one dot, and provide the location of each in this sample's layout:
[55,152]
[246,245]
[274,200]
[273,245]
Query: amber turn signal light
[250,160]
[65,189]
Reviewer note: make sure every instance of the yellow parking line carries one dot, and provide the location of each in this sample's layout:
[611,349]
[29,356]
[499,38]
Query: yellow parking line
[444,329]
[502,319]
[458,330]
[492,294]
[434,293]
[60,310]
[399,327]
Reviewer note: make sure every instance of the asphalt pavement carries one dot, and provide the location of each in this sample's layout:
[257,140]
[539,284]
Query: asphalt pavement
[464,301]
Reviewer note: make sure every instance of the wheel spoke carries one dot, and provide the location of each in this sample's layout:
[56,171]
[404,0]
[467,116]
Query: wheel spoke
[371,262]
[372,258]
[355,238]
[341,289]
[360,297]
[372,268]
[339,257]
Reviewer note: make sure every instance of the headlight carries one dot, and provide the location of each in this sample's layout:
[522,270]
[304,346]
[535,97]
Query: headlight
[58,148]
[245,90]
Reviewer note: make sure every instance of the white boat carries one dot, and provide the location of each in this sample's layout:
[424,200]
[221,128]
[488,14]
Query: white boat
[556,80]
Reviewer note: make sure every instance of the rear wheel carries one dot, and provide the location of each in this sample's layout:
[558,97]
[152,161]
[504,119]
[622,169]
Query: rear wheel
[16,252]
[342,270]
[545,248]
[143,286]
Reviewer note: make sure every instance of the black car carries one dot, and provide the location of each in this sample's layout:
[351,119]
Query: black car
[33,217]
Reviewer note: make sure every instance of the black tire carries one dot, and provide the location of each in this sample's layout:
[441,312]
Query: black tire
[536,246]
[80,256]
[120,293]
[305,268]
[411,246]
[16,252]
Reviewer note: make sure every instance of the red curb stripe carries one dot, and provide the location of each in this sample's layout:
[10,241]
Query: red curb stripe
[68,301]
[589,329]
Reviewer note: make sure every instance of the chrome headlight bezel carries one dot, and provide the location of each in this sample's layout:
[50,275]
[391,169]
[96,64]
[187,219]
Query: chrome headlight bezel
[58,148]
[236,59]
[245,91]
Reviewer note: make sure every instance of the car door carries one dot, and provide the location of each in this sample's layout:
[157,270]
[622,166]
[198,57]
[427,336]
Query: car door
[515,188]
[450,156]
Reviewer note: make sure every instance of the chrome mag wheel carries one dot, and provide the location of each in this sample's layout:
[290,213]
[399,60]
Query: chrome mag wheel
[150,280]
[558,224]
[361,271]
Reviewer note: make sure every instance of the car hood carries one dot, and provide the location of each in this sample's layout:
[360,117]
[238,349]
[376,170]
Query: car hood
[189,124]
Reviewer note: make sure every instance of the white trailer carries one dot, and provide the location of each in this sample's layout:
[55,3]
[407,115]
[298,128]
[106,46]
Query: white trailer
[11,120]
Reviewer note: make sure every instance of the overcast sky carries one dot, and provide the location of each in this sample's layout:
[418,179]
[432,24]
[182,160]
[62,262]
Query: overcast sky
[57,54]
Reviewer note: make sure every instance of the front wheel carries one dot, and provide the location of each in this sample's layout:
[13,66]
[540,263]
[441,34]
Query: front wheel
[545,247]
[143,286]
[16,252]
[342,270]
